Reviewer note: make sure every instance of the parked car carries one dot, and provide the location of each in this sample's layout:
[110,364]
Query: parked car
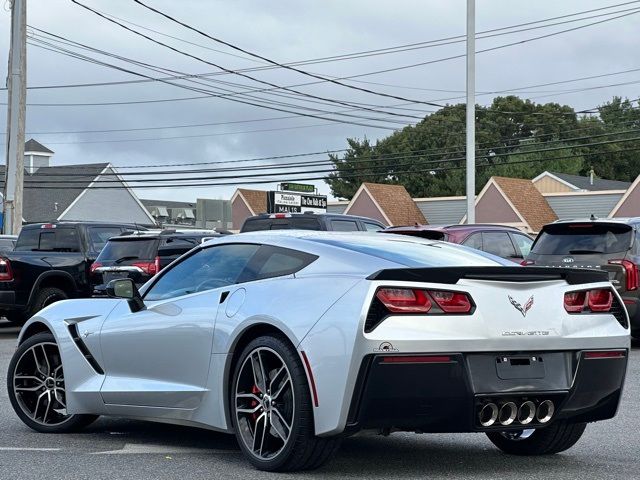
[503,241]
[141,255]
[7,242]
[311,221]
[51,262]
[292,340]
[612,245]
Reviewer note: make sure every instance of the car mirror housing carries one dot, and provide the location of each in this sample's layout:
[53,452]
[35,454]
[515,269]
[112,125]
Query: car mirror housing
[126,289]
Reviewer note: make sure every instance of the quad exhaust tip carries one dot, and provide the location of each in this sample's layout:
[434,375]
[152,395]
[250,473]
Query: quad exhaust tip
[507,413]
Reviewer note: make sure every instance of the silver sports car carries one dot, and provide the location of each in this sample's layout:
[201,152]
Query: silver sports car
[293,340]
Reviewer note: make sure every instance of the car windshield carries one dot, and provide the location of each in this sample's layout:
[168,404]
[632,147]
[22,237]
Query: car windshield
[583,238]
[301,223]
[130,249]
[415,252]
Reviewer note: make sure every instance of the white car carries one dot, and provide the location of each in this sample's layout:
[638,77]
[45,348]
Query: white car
[293,340]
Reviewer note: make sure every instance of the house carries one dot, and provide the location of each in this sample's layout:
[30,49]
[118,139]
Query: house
[170,212]
[554,182]
[247,203]
[629,203]
[73,193]
[389,204]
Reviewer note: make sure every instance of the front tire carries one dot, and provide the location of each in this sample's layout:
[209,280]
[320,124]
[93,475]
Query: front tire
[555,438]
[46,297]
[271,409]
[36,388]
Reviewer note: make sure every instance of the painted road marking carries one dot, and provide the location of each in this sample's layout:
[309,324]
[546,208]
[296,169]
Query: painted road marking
[29,449]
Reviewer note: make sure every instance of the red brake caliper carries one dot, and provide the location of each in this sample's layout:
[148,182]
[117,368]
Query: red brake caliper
[255,390]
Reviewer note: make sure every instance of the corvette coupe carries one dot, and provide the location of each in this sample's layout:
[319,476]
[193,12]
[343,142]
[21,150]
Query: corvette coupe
[293,340]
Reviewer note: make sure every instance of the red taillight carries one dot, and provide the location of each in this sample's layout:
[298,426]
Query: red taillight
[525,263]
[404,300]
[95,266]
[632,273]
[48,225]
[6,273]
[574,301]
[157,262]
[600,300]
[605,354]
[452,302]
[149,268]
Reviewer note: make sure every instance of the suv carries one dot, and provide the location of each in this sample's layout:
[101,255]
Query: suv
[500,240]
[140,256]
[612,245]
[311,221]
[51,262]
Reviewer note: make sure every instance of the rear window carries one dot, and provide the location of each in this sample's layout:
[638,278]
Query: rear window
[428,234]
[98,236]
[300,223]
[583,238]
[129,249]
[414,253]
[48,240]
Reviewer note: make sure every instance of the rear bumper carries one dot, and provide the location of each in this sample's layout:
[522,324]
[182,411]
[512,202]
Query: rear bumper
[447,393]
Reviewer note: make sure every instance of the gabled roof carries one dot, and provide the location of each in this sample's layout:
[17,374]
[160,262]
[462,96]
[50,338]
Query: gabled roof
[528,202]
[628,203]
[33,146]
[394,203]
[584,183]
[256,200]
[45,202]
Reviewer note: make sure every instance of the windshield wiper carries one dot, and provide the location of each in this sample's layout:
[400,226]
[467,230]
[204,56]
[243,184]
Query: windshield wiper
[585,252]
[128,257]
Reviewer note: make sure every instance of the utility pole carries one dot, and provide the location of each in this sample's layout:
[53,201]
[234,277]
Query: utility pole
[471,111]
[16,111]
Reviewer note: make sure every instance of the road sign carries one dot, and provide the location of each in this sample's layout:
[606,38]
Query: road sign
[297,187]
[292,202]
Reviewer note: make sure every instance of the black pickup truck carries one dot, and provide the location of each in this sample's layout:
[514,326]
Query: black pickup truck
[51,262]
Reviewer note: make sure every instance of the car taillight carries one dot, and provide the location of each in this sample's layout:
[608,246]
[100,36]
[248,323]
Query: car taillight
[6,273]
[157,262]
[452,302]
[150,268]
[632,273]
[597,301]
[404,300]
[525,263]
[95,266]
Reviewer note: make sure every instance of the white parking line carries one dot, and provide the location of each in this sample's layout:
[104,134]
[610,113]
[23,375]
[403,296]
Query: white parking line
[29,449]
[136,449]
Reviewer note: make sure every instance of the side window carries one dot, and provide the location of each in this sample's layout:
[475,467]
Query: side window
[272,262]
[522,243]
[498,243]
[28,240]
[372,227]
[210,268]
[58,240]
[474,241]
[98,236]
[344,226]
[176,246]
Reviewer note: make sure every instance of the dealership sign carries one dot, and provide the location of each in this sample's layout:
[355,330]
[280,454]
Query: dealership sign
[292,202]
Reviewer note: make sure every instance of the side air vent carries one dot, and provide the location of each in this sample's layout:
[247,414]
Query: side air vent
[618,311]
[73,329]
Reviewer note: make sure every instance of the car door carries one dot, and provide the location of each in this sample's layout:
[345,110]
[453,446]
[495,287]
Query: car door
[160,356]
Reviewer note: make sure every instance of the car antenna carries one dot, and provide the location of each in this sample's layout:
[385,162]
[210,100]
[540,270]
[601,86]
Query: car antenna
[593,217]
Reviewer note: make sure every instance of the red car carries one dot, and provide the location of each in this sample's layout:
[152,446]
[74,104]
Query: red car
[506,242]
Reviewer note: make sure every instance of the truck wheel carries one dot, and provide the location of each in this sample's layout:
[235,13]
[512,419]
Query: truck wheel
[555,438]
[46,297]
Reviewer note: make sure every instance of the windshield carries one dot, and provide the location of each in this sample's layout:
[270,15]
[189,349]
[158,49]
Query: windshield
[301,223]
[583,238]
[130,249]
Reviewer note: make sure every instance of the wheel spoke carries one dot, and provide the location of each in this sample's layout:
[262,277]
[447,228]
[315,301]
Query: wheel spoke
[46,412]
[35,357]
[58,397]
[256,409]
[35,410]
[275,377]
[283,385]
[259,434]
[280,426]
[46,359]
[258,372]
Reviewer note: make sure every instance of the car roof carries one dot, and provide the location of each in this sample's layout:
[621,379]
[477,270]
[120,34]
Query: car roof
[133,226]
[621,220]
[154,236]
[313,214]
[456,227]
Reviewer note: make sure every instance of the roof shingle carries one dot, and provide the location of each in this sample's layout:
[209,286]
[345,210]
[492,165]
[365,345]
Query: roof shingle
[396,203]
[584,183]
[256,199]
[529,202]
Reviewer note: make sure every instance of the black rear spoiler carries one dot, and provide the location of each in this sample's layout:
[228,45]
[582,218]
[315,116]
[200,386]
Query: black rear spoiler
[451,275]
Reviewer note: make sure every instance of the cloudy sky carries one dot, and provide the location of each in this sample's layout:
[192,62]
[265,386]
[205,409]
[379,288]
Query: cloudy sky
[290,31]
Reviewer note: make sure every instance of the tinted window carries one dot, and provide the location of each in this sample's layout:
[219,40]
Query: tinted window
[129,249]
[50,240]
[344,226]
[98,236]
[498,243]
[372,227]
[275,262]
[412,252]
[177,246]
[474,241]
[298,222]
[522,243]
[6,244]
[583,238]
[210,268]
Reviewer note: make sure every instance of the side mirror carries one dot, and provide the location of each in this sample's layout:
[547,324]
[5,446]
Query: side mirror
[125,288]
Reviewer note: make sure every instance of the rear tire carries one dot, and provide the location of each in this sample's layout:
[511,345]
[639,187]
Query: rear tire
[46,297]
[35,384]
[555,438]
[287,400]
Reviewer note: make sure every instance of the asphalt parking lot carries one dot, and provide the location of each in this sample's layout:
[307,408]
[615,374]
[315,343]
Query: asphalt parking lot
[125,449]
